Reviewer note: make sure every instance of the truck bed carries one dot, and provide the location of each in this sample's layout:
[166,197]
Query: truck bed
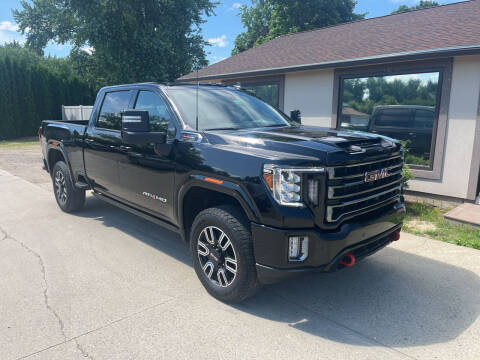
[75,122]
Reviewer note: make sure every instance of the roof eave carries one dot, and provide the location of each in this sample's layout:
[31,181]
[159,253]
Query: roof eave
[377,59]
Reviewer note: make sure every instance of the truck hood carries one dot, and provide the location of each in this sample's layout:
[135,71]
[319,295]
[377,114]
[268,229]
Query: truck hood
[328,146]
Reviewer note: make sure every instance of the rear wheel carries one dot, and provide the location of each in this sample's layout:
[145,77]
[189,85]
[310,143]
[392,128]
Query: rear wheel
[68,197]
[222,254]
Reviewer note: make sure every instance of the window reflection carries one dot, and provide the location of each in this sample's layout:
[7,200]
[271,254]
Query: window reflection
[399,106]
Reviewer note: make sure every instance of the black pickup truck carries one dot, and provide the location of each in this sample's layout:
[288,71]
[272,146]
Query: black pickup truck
[257,196]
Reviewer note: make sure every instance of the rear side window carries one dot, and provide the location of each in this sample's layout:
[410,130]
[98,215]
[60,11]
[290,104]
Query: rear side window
[424,119]
[113,104]
[398,118]
[157,110]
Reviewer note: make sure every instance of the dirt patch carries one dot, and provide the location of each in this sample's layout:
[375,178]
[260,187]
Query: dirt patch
[421,225]
[25,161]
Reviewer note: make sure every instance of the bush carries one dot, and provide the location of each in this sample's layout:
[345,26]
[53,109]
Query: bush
[34,89]
[407,174]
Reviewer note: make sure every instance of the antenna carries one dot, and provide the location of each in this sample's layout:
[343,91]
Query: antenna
[196,117]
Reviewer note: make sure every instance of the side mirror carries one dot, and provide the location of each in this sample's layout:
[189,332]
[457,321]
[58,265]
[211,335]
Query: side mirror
[135,121]
[296,116]
[135,129]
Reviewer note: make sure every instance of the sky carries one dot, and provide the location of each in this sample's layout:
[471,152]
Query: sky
[220,30]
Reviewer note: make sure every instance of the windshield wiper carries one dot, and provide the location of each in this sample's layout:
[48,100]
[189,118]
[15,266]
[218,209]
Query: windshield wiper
[276,125]
[225,128]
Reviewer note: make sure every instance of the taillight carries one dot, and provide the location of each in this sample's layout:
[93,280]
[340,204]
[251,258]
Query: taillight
[40,133]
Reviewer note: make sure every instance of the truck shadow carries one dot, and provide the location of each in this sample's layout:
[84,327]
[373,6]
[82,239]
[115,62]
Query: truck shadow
[393,298]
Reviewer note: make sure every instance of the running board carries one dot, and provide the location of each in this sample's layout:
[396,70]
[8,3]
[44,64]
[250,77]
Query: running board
[142,214]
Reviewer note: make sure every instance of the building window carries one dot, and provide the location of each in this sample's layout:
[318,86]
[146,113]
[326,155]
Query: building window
[268,88]
[267,92]
[401,106]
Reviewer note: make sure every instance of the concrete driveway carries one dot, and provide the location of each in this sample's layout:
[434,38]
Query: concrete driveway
[104,284]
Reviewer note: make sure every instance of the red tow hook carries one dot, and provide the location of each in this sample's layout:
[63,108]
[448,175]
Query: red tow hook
[348,260]
[395,236]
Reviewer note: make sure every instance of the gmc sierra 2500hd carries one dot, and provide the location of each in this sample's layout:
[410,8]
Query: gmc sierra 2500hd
[257,196]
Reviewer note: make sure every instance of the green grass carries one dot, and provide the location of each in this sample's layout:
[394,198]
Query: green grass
[28,141]
[438,228]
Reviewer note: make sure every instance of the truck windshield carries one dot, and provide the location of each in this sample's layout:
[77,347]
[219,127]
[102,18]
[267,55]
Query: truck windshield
[222,108]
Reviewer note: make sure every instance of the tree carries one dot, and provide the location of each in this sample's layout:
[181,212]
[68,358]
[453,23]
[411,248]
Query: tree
[264,20]
[423,5]
[124,40]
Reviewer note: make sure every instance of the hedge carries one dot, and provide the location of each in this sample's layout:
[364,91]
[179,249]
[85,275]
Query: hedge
[33,88]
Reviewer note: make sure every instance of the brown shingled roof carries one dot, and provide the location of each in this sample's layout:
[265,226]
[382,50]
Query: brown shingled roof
[440,30]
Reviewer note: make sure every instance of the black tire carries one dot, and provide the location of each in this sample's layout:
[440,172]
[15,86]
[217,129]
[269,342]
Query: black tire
[230,221]
[69,198]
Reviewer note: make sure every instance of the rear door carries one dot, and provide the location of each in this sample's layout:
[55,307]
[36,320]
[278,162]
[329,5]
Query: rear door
[147,171]
[103,143]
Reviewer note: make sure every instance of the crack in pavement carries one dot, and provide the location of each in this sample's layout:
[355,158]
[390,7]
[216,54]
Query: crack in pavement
[82,350]
[5,236]
[75,338]
[46,299]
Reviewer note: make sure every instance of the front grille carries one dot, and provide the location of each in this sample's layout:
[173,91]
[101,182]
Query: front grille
[349,195]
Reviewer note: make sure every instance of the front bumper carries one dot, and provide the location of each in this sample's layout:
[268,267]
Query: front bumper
[326,249]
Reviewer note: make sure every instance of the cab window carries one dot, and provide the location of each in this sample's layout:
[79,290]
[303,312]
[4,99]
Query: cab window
[157,110]
[397,118]
[110,114]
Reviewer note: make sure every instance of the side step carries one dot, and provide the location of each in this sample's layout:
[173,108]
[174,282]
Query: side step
[82,185]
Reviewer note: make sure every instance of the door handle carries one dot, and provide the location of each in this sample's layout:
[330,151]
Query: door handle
[89,141]
[125,148]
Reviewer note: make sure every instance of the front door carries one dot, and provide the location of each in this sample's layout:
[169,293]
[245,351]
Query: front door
[147,171]
[103,143]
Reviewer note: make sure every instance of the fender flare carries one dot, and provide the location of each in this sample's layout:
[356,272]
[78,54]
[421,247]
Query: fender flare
[58,146]
[226,187]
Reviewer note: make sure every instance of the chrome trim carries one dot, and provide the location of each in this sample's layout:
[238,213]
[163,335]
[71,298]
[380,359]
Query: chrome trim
[363,210]
[367,163]
[131,119]
[330,195]
[362,181]
[331,170]
[347,203]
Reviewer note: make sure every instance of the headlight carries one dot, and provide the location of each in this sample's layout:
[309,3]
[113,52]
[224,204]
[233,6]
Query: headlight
[286,183]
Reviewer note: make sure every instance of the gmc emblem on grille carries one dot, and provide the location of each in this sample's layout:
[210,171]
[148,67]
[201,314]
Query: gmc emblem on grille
[376,175]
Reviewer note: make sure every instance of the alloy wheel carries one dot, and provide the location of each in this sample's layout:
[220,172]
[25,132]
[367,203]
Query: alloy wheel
[217,256]
[61,187]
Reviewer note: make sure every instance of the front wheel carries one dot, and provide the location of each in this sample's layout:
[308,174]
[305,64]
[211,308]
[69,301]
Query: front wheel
[68,197]
[222,253]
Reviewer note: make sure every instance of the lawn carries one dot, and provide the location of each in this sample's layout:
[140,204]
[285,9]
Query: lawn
[426,220]
[19,142]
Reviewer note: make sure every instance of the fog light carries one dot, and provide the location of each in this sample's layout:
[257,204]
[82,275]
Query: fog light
[297,248]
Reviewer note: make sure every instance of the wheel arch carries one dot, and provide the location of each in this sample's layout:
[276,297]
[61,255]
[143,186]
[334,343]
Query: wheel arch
[199,195]
[56,153]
